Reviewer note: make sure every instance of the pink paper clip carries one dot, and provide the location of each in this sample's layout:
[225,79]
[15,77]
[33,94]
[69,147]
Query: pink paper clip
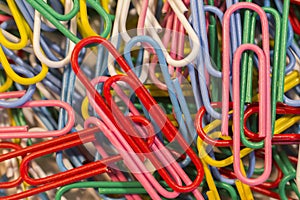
[264,90]
[22,131]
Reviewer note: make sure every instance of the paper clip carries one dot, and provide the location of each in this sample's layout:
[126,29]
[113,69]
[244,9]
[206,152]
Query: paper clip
[179,8]
[16,182]
[84,21]
[287,138]
[19,79]
[108,83]
[25,96]
[264,78]
[62,178]
[264,114]
[37,35]
[157,147]
[55,21]
[149,103]
[22,132]
[203,61]
[21,24]
[264,91]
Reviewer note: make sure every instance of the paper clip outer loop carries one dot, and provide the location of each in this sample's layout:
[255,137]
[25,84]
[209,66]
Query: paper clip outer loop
[264,113]
[23,96]
[201,132]
[83,18]
[43,134]
[226,57]
[67,174]
[18,181]
[22,30]
[19,79]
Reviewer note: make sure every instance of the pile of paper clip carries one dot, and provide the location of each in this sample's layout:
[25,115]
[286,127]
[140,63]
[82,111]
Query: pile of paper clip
[149,99]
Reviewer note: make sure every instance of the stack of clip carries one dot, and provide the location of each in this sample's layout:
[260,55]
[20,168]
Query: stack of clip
[152,99]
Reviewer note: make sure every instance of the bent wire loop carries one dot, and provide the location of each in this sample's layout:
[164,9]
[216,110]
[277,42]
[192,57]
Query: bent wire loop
[10,72]
[22,131]
[56,22]
[203,60]
[62,178]
[150,104]
[226,60]
[264,113]
[14,94]
[17,181]
[36,40]
[19,79]
[61,17]
[264,90]
[283,124]
[179,8]
[21,25]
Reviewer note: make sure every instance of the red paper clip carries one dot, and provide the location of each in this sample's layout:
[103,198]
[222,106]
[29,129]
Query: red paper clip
[62,178]
[150,104]
[286,138]
[18,181]
[282,139]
